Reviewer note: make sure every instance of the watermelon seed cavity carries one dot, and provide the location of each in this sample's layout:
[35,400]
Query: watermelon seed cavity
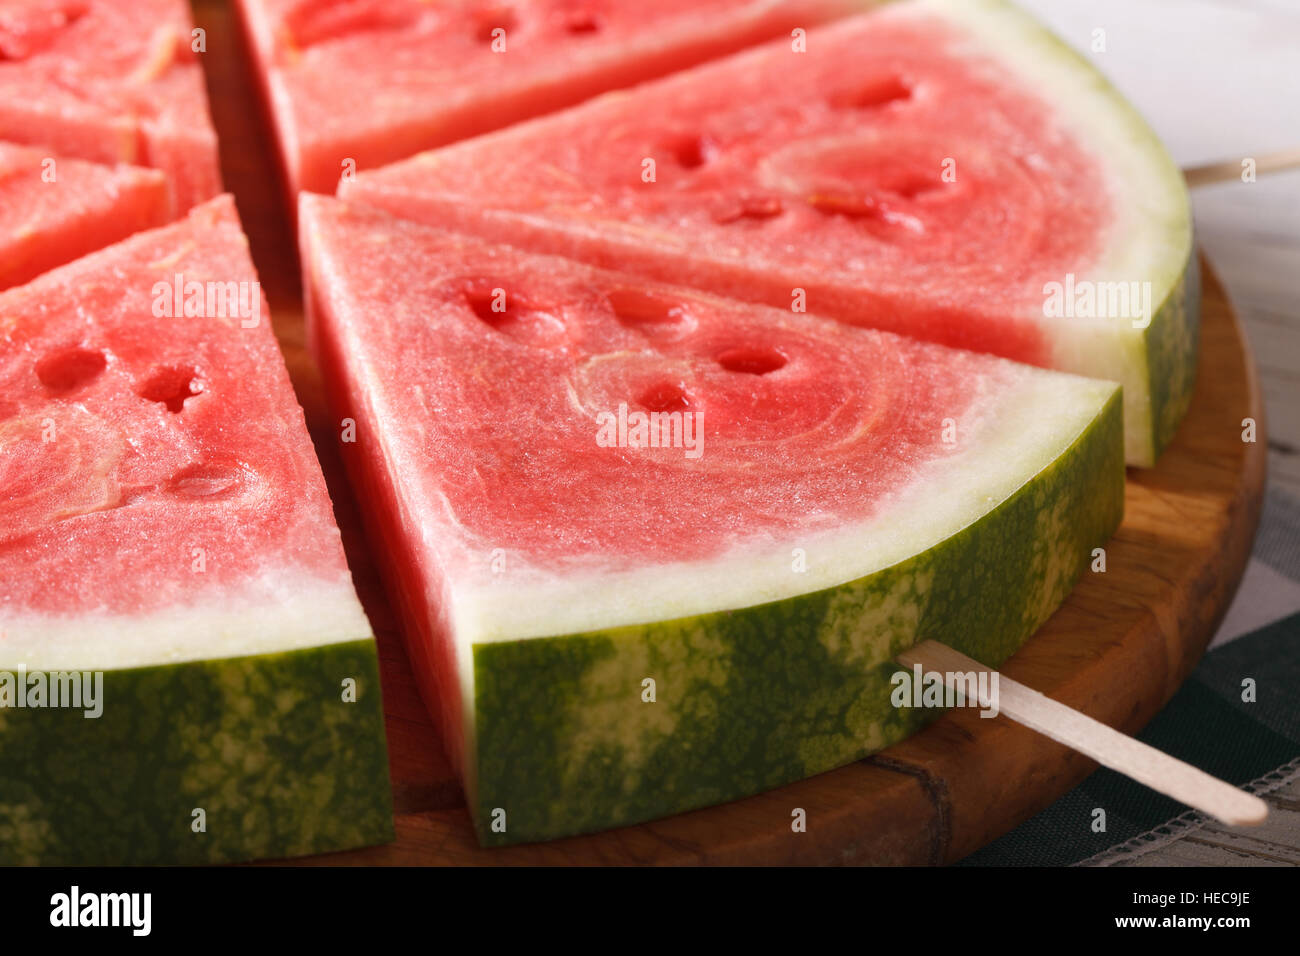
[692,152]
[665,397]
[70,368]
[879,215]
[647,312]
[207,480]
[582,24]
[876,94]
[751,360]
[508,314]
[753,207]
[172,386]
[916,184]
[493,19]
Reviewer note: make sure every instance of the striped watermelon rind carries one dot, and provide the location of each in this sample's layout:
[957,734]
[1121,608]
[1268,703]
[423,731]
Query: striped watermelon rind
[1172,345]
[123,788]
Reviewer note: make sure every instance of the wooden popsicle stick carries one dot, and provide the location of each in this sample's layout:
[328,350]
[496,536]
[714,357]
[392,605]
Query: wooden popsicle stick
[1229,169]
[1092,738]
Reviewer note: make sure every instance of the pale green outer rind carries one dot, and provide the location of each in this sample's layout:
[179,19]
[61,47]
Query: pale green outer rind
[265,745]
[1172,346]
[751,699]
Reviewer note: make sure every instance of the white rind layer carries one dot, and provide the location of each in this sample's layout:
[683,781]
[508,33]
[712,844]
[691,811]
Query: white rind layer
[278,612]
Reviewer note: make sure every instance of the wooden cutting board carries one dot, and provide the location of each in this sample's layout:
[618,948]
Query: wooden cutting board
[1117,649]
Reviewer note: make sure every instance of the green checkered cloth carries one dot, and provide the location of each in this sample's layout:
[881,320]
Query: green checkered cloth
[1206,724]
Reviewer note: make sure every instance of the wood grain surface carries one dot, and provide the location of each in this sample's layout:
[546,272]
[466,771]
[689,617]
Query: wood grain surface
[1117,650]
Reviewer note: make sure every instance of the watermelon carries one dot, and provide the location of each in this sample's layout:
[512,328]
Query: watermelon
[186,674]
[945,169]
[53,210]
[113,81]
[373,81]
[612,626]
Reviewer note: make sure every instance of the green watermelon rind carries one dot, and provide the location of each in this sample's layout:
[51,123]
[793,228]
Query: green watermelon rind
[1172,347]
[751,699]
[265,745]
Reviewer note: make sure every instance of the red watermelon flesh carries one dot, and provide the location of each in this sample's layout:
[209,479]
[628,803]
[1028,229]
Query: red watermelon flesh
[378,80]
[571,339]
[476,378]
[113,81]
[927,168]
[132,434]
[53,210]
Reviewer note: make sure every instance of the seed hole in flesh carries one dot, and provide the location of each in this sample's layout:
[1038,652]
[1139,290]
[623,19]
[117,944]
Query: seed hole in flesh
[874,95]
[491,305]
[646,311]
[70,368]
[882,217]
[513,315]
[754,208]
[915,186]
[494,18]
[208,481]
[665,397]
[692,152]
[582,24]
[171,386]
[752,360]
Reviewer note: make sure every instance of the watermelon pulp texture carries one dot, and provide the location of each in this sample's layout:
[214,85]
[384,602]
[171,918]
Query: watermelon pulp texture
[53,210]
[543,575]
[932,168]
[164,521]
[374,81]
[113,81]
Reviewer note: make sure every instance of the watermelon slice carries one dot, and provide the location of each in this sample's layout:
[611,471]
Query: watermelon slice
[850,492]
[113,81]
[164,524]
[54,210]
[941,168]
[375,81]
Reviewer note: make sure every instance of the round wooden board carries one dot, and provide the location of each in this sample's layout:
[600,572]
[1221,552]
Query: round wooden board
[1117,649]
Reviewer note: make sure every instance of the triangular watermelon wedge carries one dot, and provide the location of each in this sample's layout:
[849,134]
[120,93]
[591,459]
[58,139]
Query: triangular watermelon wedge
[53,210]
[113,81]
[611,627]
[173,577]
[366,82]
[941,168]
